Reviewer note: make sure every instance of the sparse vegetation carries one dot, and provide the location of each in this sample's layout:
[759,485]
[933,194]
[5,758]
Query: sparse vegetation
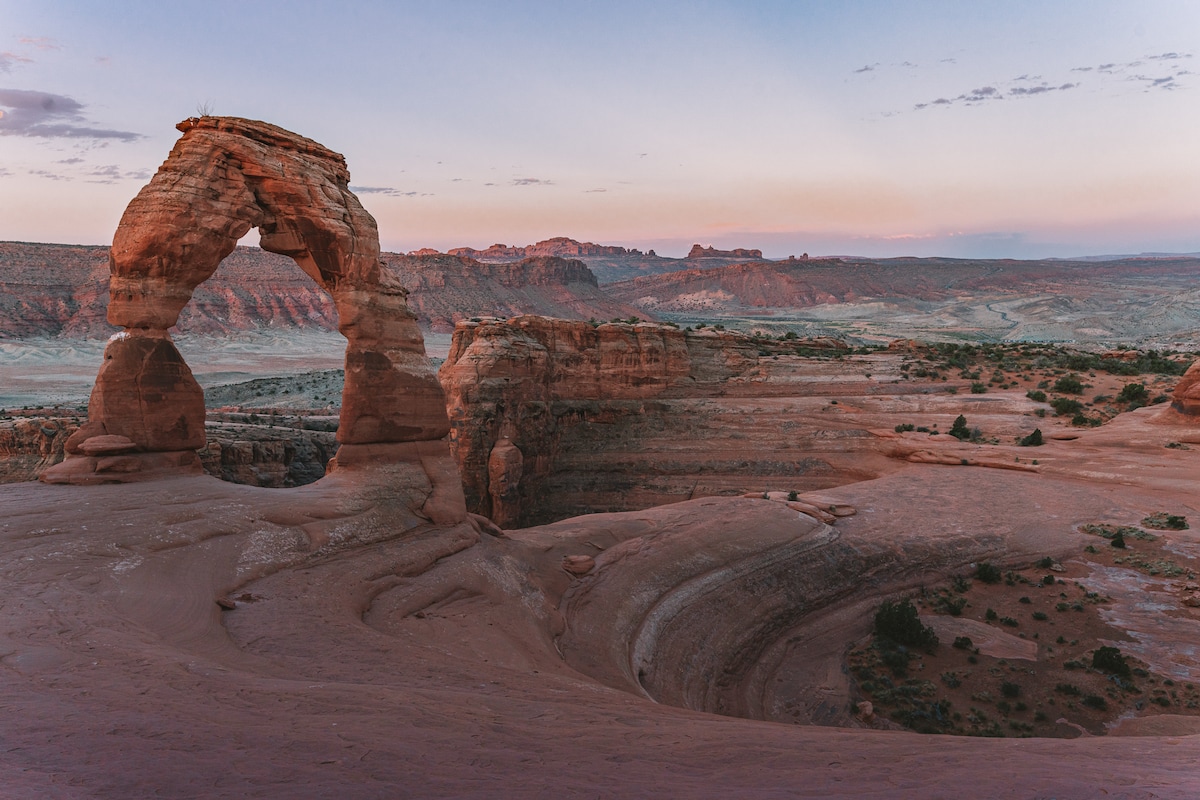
[1162,521]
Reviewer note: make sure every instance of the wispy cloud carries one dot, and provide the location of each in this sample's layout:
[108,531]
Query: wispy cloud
[531,182]
[867,68]
[593,191]
[8,59]
[387,191]
[4,173]
[40,42]
[24,112]
[111,173]
[1127,70]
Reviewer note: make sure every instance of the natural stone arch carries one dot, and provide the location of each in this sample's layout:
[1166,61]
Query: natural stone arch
[224,176]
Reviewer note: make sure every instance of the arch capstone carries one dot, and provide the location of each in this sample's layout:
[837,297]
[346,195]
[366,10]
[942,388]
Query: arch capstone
[224,176]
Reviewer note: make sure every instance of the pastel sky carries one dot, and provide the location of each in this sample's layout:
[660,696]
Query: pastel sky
[999,129]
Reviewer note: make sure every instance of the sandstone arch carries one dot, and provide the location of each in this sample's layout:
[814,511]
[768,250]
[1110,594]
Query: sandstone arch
[224,176]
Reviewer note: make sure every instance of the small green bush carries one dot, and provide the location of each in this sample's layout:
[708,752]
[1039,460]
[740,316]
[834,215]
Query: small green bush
[1166,522]
[1064,406]
[1036,395]
[1069,384]
[959,429]
[1010,689]
[963,643]
[1110,660]
[899,623]
[988,573]
[1033,440]
[1134,393]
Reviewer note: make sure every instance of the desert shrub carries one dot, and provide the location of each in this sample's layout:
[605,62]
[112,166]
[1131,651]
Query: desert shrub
[988,573]
[896,661]
[963,643]
[1133,393]
[1045,563]
[954,605]
[1166,522]
[1010,689]
[1110,660]
[1069,689]
[1009,621]
[1064,405]
[1069,384]
[1040,616]
[1024,600]
[1036,395]
[792,496]
[1118,542]
[899,623]
[905,426]
[959,429]
[1032,440]
[1095,701]
[990,614]
[951,679]
[978,388]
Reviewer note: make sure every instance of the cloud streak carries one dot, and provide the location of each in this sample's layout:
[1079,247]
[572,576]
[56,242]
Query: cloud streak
[9,59]
[531,182]
[387,191]
[986,94]
[25,112]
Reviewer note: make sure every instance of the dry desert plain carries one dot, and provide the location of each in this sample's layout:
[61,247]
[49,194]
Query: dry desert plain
[782,520]
[193,637]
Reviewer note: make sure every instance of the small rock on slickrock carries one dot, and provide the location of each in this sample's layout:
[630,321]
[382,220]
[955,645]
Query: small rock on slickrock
[578,565]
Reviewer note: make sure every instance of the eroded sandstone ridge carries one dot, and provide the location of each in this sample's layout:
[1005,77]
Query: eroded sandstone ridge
[1186,398]
[516,388]
[224,176]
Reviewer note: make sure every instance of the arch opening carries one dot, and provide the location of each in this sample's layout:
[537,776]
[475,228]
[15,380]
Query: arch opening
[225,176]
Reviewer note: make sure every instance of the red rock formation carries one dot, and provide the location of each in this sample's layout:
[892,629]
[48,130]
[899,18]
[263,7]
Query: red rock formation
[559,246]
[1186,398]
[533,379]
[224,176]
[711,252]
[445,289]
[28,446]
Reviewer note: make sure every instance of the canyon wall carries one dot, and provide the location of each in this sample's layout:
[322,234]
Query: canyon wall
[62,290]
[446,289]
[255,455]
[551,418]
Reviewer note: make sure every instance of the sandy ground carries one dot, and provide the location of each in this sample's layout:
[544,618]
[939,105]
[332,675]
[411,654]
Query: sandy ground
[428,663]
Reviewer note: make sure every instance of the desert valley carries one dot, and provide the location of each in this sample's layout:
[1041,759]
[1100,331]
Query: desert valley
[578,520]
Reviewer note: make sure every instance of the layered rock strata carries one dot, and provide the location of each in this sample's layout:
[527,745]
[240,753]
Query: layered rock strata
[1186,398]
[224,176]
[523,392]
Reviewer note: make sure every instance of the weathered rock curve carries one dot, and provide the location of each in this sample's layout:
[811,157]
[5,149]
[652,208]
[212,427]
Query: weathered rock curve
[224,176]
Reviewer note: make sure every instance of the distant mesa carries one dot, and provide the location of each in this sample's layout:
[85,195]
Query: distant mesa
[560,246]
[711,252]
